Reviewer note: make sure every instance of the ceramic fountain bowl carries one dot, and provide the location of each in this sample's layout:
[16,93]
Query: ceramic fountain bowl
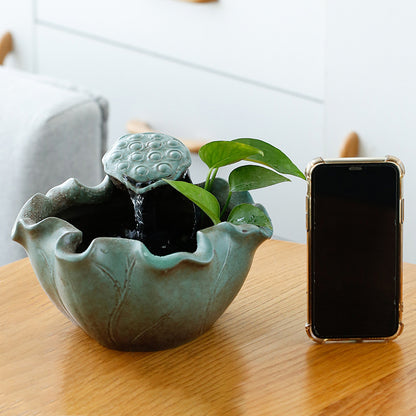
[114,288]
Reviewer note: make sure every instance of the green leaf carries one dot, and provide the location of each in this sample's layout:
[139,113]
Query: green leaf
[249,214]
[200,197]
[272,157]
[246,178]
[222,153]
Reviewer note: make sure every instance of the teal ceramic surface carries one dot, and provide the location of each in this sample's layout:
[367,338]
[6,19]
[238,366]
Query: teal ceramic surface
[115,289]
[146,158]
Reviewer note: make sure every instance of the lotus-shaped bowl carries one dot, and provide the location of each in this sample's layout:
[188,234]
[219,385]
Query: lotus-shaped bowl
[114,288]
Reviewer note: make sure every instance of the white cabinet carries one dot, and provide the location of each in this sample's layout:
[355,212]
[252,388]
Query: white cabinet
[218,70]
[275,43]
[300,74]
[187,101]
[371,87]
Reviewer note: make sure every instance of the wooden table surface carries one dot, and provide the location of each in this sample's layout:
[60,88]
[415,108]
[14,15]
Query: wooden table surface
[256,360]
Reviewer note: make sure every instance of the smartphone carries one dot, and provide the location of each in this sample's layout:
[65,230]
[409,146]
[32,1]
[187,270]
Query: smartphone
[354,228]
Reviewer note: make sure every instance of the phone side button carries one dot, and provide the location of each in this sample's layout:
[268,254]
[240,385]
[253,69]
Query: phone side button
[402,211]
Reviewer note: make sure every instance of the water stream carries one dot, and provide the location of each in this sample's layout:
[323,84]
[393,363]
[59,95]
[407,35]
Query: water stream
[165,220]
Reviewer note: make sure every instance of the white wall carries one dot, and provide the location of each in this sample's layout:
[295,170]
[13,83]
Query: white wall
[185,101]
[371,86]
[16,16]
[368,74]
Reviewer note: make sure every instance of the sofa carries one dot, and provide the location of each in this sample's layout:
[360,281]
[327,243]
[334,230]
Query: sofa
[50,130]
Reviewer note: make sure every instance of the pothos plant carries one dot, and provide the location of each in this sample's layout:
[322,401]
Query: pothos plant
[221,153]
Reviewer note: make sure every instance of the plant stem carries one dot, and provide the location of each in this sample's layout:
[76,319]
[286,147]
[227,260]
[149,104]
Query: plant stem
[214,174]
[207,181]
[226,204]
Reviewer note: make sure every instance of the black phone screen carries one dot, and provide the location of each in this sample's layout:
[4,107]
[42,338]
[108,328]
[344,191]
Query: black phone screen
[355,250]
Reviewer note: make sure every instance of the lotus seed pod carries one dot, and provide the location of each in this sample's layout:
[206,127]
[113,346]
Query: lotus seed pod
[165,220]
[141,161]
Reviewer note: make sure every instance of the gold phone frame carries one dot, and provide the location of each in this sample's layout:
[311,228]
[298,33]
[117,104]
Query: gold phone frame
[308,173]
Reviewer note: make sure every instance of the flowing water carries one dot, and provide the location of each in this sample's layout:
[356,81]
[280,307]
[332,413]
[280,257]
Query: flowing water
[165,220]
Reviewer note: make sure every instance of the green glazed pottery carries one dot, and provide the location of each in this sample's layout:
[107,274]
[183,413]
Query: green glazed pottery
[113,287]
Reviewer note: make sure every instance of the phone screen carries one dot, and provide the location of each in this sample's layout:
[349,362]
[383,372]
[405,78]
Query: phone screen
[355,250]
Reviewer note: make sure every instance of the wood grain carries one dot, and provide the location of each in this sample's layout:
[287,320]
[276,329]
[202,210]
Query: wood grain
[256,360]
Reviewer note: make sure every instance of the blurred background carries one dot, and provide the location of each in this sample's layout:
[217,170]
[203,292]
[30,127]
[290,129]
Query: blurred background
[301,75]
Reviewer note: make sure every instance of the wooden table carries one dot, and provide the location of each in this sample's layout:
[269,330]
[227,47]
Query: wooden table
[256,360]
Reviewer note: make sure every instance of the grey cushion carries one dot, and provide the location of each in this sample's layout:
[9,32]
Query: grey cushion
[49,131]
